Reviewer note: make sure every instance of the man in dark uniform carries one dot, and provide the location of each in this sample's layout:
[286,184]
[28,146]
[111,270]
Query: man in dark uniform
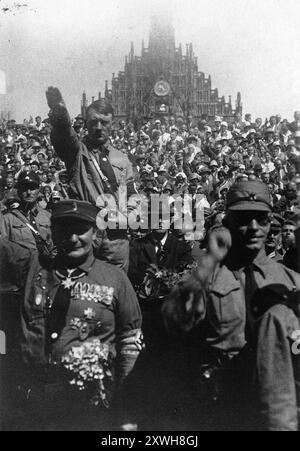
[73,301]
[247,307]
[94,166]
[29,224]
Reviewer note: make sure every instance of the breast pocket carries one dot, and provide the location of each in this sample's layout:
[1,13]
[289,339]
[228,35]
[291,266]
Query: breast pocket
[227,307]
[21,233]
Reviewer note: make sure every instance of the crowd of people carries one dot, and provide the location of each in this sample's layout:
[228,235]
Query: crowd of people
[167,155]
[244,176]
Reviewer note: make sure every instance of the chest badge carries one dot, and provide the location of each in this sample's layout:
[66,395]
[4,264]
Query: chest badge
[89,314]
[68,281]
[83,331]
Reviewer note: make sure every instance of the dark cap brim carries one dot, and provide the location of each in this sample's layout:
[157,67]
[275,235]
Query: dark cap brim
[250,206]
[75,215]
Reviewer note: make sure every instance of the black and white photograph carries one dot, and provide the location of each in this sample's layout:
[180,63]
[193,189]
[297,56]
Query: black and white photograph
[149,218]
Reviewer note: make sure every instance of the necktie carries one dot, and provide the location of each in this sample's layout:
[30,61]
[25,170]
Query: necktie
[159,252]
[250,289]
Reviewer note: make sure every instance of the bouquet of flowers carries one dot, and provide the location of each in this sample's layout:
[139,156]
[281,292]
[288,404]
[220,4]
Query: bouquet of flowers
[158,283]
[89,367]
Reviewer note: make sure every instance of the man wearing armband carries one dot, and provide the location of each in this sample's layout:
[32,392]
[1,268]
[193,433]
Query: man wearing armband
[75,302]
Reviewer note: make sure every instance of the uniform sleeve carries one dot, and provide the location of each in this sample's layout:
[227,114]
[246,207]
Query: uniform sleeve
[4,226]
[187,303]
[64,139]
[277,369]
[14,264]
[129,340]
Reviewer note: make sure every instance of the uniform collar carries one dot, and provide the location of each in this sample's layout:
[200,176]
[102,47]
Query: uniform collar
[260,263]
[85,267]
[92,147]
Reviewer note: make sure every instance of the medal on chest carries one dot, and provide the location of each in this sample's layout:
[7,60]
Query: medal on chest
[68,281]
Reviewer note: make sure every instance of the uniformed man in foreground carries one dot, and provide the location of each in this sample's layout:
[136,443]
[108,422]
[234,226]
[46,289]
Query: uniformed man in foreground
[247,308]
[72,301]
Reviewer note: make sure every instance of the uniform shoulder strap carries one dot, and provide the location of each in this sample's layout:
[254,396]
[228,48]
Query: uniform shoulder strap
[22,218]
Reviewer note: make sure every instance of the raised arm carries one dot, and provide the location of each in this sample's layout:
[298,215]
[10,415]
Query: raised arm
[64,138]
[186,306]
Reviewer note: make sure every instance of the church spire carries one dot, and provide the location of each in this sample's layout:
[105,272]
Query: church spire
[162,35]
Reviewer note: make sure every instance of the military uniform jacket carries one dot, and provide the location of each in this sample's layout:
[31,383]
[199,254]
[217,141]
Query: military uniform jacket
[13,228]
[60,311]
[278,371]
[85,181]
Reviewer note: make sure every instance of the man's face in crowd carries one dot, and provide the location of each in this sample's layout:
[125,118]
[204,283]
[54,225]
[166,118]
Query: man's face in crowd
[278,164]
[219,148]
[288,236]
[119,145]
[28,193]
[9,182]
[34,167]
[193,187]
[45,166]
[291,191]
[17,165]
[248,117]
[173,135]
[272,121]
[38,121]
[121,133]
[131,142]
[274,237]
[249,229]
[74,239]
[173,148]
[163,129]
[258,121]
[268,157]
[265,178]
[220,161]
[49,177]
[99,127]
[237,117]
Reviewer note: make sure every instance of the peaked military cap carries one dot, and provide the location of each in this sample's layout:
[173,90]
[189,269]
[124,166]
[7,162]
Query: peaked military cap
[249,195]
[28,178]
[75,209]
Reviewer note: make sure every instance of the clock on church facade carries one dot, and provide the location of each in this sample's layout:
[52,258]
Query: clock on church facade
[164,79]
